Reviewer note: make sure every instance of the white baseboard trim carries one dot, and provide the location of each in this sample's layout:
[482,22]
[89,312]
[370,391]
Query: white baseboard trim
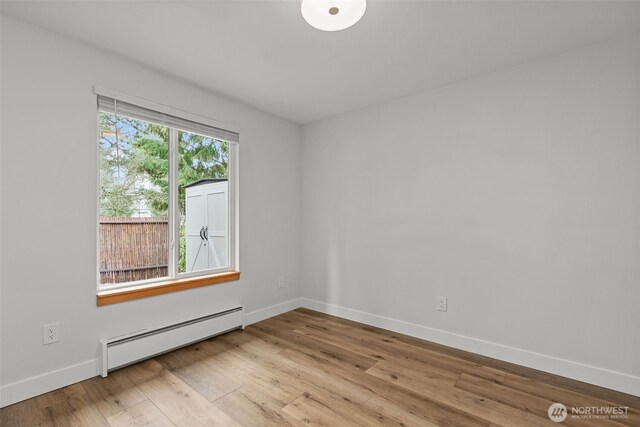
[619,381]
[49,381]
[271,311]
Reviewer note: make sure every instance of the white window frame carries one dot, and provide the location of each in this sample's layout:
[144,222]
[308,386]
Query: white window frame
[174,212]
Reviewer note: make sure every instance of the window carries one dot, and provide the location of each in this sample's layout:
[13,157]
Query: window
[166,197]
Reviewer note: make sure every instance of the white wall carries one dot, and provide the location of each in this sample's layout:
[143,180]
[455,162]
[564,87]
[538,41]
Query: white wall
[514,194]
[48,175]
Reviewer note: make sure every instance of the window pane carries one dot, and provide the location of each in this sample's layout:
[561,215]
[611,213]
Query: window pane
[134,199]
[203,200]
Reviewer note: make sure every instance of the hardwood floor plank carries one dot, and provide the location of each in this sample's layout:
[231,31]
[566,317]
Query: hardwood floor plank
[76,410]
[521,371]
[381,350]
[192,368]
[58,395]
[498,393]
[519,400]
[380,347]
[180,403]
[142,414]
[313,412]
[24,414]
[567,397]
[251,342]
[113,394]
[250,407]
[473,404]
[414,379]
[381,412]
[289,339]
[409,400]
[338,394]
[248,373]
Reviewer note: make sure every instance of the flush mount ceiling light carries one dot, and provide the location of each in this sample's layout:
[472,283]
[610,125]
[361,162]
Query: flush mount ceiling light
[333,15]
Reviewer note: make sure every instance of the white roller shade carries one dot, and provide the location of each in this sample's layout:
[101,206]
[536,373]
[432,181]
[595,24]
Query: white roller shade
[114,106]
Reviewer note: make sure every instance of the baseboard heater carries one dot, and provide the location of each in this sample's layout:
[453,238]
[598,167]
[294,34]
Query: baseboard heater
[123,351]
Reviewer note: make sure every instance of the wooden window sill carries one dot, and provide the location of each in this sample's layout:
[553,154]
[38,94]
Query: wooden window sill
[127,294]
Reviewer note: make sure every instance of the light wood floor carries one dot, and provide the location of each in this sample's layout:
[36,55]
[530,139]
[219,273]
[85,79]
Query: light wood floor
[306,368]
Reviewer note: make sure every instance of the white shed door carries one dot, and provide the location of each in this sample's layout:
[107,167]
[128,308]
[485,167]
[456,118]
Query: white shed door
[216,199]
[207,226]
[197,253]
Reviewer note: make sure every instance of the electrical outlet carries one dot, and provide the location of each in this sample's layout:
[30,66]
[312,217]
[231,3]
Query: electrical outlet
[442,304]
[51,333]
[280,282]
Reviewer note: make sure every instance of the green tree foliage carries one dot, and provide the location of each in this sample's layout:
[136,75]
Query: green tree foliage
[135,164]
[199,157]
[117,189]
[150,164]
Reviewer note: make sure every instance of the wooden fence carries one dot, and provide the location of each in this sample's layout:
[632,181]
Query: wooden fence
[133,248]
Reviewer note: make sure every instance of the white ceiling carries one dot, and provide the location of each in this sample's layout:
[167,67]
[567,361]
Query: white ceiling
[264,54]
